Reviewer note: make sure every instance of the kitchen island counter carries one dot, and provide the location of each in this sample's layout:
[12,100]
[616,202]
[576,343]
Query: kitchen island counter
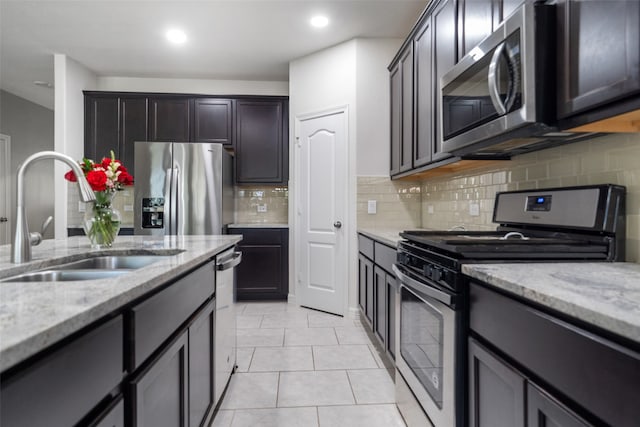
[33,316]
[606,295]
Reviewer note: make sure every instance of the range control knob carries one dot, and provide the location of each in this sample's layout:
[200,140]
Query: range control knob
[436,274]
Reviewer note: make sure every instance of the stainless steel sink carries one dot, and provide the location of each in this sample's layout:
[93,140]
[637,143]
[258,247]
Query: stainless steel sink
[65,275]
[129,262]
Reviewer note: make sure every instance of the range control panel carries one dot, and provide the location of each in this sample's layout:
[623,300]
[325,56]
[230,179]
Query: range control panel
[539,203]
[153,212]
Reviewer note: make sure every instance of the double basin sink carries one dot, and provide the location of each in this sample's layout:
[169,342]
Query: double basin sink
[95,268]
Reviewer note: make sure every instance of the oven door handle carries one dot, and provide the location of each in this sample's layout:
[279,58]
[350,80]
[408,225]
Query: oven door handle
[423,288]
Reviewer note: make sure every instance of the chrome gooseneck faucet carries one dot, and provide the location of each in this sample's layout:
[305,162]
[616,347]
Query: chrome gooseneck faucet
[21,248]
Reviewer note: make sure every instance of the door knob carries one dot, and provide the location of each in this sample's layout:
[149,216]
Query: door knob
[337,224]
[3,219]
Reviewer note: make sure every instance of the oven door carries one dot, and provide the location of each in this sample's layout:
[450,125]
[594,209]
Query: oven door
[428,336]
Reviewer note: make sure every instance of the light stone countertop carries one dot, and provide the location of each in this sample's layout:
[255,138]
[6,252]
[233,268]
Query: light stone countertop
[603,294]
[259,225]
[388,236]
[35,315]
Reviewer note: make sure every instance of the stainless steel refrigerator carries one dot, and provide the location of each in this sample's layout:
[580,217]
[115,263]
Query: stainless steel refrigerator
[183,188]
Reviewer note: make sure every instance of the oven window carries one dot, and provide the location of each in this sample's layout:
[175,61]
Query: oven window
[421,342]
[466,101]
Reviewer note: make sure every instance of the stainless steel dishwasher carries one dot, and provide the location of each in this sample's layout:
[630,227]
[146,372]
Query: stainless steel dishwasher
[225,320]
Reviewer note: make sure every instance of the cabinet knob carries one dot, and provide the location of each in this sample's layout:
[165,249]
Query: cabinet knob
[337,224]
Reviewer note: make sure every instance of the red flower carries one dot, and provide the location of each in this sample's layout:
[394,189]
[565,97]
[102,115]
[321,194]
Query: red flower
[97,180]
[121,168]
[124,178]
[70,176]
[106,162]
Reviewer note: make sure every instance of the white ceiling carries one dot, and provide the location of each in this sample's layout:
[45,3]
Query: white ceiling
[236,40]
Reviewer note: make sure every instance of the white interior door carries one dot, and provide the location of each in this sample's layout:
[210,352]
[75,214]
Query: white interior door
[5,189]
[322,209]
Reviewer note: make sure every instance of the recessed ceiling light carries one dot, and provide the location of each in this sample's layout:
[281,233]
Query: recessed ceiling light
[176,36]
[42,83]
[319,21]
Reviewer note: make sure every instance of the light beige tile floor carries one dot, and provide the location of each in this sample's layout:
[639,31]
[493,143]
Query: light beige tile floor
[303,368]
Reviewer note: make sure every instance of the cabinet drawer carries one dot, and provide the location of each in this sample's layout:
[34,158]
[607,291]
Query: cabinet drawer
[385,256]
[259,236]
[63,387]
[154,320]
[596,373]
[365,246]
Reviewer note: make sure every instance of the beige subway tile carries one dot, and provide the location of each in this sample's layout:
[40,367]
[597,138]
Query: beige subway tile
[538,171]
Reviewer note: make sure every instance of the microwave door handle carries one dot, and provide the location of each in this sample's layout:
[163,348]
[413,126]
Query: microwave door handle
[493,80]
[514,80]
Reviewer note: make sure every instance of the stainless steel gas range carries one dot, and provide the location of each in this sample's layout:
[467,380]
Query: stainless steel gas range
[557,224]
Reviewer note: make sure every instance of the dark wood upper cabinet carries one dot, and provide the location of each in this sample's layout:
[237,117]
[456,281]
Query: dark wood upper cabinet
[101,127]
[444,56]
[406,152]
[423,89]
[213,120]
[598,53]
[114,123]
[396,119]
[169,119]
[261,142]
[475,22]
[133,127]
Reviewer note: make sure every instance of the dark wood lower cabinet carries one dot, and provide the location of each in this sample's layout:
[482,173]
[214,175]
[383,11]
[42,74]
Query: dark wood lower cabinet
[113,416]
[264,271]
[380,290]
[362,282]
[160,393]
[543,411]
[369,309]
[201,369]
[496,392]
[392,296]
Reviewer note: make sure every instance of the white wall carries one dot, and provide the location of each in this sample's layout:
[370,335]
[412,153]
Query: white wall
[372,58]
[353,74]
[71,78]
[198,86]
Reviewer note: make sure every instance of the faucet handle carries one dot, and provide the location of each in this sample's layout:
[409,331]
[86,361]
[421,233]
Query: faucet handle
[36,237]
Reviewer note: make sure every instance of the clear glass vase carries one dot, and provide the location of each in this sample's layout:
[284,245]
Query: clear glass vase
[101,221]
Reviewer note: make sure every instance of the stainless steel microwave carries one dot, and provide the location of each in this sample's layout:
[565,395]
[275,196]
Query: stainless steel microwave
[501,97]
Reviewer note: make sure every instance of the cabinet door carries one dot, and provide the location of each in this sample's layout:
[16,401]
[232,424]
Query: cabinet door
[169,119]
[362,283]
[599,52]
[212,120]
[369,307]
[406,152]
[201,369]
[113,416]
[475,22]
[496,392]
[101,126]
[444,57]
[380,301]
[261,148]
[133,127]
[423,89]
[392,296]
[263,273]
[396,119]
[160,393]
[542,410]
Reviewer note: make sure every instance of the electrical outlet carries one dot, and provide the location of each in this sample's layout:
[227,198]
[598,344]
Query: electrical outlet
[474,209]
[430,209]
[372,207]
[262,208]
[80,206]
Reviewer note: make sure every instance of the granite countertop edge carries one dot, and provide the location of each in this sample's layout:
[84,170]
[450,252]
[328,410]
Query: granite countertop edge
[606,295]
[33,316]
[259,225]
[387,236]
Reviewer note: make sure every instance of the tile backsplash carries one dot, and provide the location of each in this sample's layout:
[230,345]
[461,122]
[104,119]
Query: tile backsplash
[123,202]
[259,204]
[447,201]
[397,203]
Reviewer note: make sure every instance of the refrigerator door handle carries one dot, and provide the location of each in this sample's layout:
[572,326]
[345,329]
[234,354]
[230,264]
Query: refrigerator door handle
[173,221]
[167,201]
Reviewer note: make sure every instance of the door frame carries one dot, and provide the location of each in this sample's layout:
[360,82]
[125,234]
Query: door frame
[9,182]
[349,220]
